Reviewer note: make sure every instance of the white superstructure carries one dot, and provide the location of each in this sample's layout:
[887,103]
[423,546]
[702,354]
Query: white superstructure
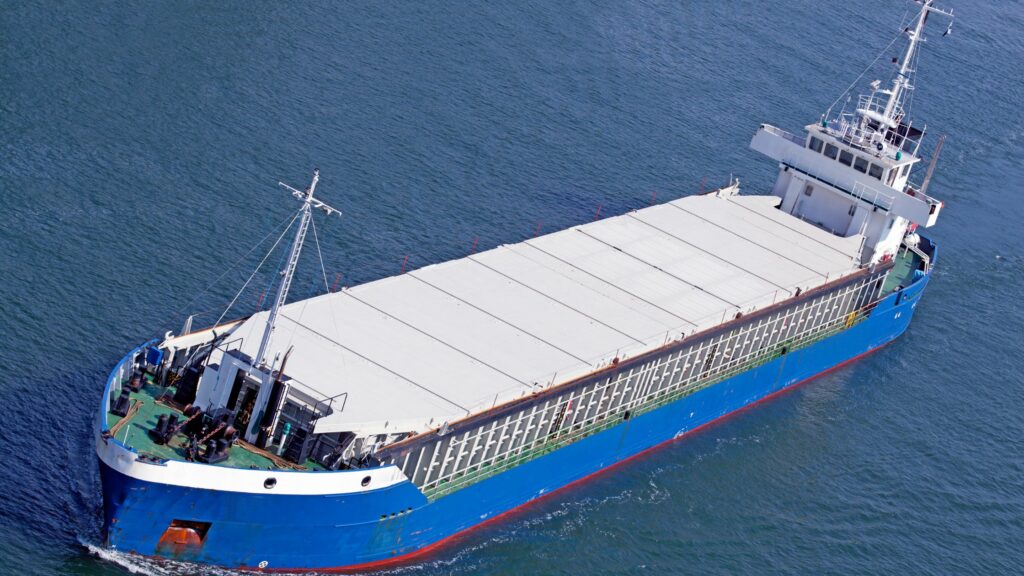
[850,173]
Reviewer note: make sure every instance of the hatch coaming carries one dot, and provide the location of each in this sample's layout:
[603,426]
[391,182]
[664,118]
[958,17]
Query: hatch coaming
[484,444]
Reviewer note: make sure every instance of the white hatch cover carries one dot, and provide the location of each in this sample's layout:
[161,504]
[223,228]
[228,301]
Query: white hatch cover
[441,342]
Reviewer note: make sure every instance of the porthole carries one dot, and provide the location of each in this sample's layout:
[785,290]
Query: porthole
[366,481]
[270,483]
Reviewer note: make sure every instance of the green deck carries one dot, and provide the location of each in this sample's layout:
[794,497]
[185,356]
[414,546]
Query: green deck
[902,273]
[135,433]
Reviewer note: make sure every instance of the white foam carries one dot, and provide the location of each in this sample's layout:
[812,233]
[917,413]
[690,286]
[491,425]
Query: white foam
[137,564]
[130,562]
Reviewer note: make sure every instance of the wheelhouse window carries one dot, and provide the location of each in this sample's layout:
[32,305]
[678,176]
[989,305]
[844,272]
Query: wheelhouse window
[860,164]
[845,158]
[875,171]
[906,168]
[815,144]
[831,151]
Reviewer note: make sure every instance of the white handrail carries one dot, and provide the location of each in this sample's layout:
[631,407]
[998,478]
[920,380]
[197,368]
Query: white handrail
[873,195]
[780,132]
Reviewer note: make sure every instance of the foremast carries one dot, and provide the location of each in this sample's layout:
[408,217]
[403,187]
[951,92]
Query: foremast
[287,274]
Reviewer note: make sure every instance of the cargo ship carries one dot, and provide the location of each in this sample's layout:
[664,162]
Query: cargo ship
[370,425]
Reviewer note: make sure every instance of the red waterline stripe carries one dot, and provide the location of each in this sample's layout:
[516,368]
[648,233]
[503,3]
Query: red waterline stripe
[405,558]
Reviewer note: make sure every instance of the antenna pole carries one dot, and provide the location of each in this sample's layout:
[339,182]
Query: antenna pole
[901,83]
[308,203]
[287,274]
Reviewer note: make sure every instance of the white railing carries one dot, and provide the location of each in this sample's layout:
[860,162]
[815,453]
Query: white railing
[115,380]
[782,133]
[445,463]
[872,103]
[872,195]
[913,190]
[847,126]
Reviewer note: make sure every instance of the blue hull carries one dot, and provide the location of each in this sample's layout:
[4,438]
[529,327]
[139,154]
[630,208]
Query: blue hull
[283,532]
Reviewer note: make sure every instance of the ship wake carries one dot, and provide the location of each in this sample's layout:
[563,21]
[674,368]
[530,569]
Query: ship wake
[143,565]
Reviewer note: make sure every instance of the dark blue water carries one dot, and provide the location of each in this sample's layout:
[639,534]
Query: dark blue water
[141,143]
